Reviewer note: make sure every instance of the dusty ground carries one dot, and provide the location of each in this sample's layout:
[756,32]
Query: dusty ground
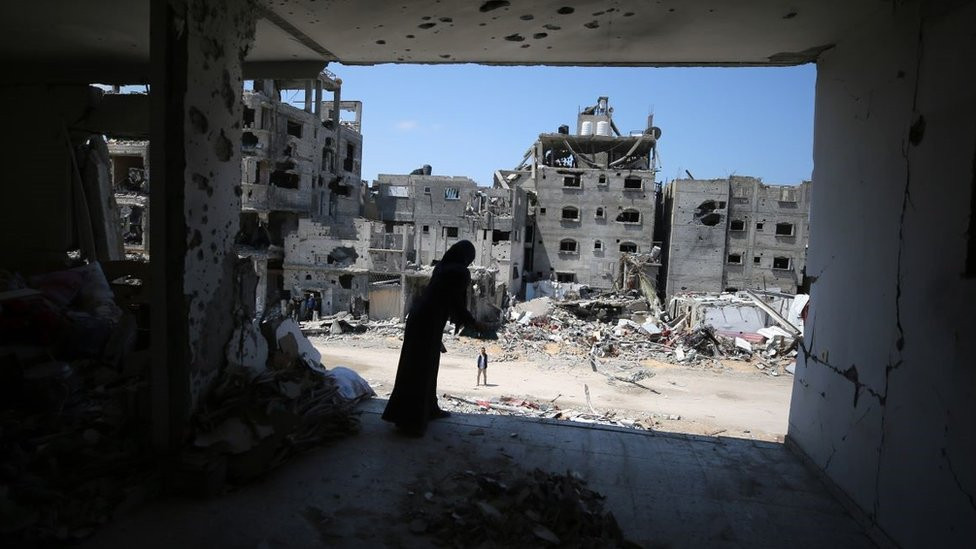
[735,399]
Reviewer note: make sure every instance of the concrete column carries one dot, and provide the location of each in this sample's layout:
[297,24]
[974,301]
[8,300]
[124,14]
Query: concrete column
[884,400]
[196,50]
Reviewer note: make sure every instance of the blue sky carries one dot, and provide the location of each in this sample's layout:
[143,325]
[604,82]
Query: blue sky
[470,120]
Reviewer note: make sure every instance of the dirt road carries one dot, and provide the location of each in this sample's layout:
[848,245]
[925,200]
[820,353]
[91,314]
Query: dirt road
[737,400]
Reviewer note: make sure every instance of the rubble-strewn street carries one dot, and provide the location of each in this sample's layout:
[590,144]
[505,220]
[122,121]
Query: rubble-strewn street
[563,360]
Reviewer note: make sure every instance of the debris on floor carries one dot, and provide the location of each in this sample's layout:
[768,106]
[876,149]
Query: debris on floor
[73,390]
[252,422]
[512,508]
[529,407]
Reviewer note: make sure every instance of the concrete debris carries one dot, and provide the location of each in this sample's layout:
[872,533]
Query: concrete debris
[253,423]
[512,508]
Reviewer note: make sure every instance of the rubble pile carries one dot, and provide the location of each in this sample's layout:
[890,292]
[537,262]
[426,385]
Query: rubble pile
[265,410]
[514,509]
[624,328]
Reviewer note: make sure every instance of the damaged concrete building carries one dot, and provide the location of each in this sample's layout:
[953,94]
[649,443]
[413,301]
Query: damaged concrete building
[735,233]
[592,198]
[882,403]
[301,175]
[130,179]
[442,210]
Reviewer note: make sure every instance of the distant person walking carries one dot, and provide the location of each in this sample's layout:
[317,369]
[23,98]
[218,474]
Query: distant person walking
[482,367]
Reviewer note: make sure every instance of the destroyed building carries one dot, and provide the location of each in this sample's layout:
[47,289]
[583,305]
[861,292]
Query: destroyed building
[130,181]
[591,199]
[734,233]
[300,167]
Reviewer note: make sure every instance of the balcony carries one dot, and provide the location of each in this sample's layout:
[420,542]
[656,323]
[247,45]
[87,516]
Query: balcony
[386,241]
[269,198]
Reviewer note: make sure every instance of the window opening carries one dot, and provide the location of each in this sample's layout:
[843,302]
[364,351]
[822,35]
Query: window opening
[597,245]
[294,128]
[632,182]
[567,245]
[572,181]
[570,214]
[737,225]
[629,216]
[452,193]
[426,229]
[759,226]
[628,247]
[735,259]
[566,277]
[599,212]
[451,232]
[784,229]
[782,263]
[500,236]
[757,260]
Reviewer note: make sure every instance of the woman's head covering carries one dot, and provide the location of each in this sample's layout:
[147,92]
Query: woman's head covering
[461,253]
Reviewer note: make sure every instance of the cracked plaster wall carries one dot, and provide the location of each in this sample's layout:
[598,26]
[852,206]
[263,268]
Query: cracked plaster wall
[883,399]
[218,36]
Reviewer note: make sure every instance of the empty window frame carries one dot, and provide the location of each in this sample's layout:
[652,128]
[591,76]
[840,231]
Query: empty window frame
[600,213]
[426,229]
[603,179]
[570,213]
[572,181]
[597,246]
[785,229]
[568,245]
[566,277]
[629,216]
[756,260]
[759,226]
[426,190]
[500,236]
[451,232]
[735,259]
[294,128]
[542,211]
[628,247]
[452,193]
[782,263]
[633,183]
[737,225]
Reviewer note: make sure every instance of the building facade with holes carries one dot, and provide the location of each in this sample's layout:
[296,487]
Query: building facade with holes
[734,234]
[591,198]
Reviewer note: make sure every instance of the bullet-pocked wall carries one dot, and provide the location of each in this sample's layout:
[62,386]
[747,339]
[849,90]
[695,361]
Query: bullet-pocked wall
[218,36]
[883,400]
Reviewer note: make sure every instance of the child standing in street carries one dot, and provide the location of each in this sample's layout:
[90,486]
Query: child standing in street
[482,367]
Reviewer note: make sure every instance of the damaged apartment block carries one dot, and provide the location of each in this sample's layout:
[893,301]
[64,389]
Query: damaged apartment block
[591,201]
[736,233]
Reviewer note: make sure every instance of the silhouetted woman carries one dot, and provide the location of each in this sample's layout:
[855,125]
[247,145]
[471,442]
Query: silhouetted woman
[414,399]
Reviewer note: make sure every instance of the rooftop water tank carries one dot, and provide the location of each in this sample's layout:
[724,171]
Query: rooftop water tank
[586,128]
[603,127]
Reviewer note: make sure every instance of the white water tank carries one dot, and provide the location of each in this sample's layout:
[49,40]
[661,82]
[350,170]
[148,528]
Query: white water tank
[586,128]
[603,127]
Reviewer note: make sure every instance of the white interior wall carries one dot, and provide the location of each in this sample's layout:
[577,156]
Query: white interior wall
[884,397]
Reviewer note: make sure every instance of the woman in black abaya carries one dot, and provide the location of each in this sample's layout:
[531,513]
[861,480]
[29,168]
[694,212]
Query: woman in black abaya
[414,399]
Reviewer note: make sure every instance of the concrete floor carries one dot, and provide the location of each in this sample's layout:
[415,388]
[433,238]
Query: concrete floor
[665,490]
